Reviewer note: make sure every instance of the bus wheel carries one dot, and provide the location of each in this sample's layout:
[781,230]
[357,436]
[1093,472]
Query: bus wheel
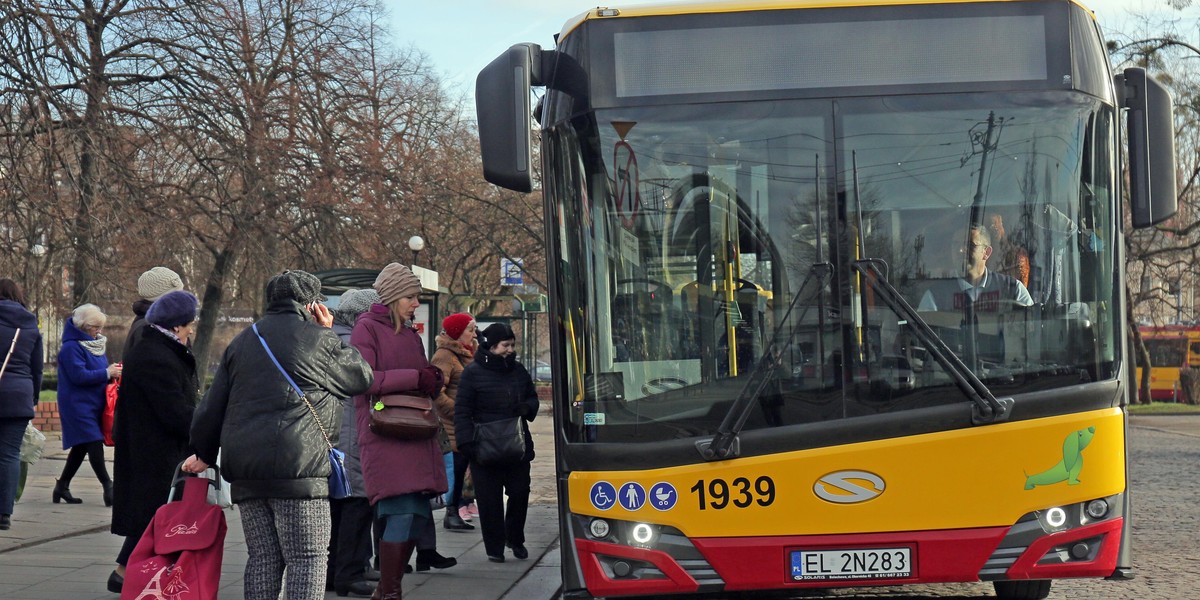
[1029,589]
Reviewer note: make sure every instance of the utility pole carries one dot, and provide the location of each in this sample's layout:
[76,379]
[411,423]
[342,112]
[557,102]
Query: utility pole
[986,145]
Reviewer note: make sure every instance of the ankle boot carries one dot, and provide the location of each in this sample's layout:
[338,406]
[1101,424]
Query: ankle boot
[431,558]
[108,493]
[392,558]
[62,492]
[453,522]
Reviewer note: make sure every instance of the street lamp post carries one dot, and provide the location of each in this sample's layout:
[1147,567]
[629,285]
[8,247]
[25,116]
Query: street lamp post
[416,243]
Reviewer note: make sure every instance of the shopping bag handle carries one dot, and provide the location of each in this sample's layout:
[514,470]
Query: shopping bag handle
[214,479]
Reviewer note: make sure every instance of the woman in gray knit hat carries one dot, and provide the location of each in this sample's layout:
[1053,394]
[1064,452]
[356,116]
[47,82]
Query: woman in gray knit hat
[350,546]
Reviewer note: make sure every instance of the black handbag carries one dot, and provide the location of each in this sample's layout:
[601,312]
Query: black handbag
[499,442]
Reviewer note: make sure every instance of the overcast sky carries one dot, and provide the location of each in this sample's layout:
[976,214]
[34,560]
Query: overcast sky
[461,36]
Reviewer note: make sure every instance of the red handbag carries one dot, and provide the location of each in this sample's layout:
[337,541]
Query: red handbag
[179,555]
[110,410]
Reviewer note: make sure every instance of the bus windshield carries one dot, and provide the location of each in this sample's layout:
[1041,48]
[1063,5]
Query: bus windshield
[700,224]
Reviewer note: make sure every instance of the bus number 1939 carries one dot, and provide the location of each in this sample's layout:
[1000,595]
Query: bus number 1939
[718,494]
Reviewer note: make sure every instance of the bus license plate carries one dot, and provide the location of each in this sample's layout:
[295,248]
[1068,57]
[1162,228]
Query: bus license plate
[856,563]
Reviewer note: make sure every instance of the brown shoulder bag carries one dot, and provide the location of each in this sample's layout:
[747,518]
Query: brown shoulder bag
[404,417]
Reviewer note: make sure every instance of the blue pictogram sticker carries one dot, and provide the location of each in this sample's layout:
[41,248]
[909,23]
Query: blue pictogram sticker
[603,495]
[663,496]
[632,496]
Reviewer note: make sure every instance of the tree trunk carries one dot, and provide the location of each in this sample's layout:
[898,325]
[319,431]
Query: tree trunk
[1140,355]
[210,309]
[81,270]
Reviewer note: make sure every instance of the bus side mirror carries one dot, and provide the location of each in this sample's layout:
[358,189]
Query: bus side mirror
[1151,128]
[503,111]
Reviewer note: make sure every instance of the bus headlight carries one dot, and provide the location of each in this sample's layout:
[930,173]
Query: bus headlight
[1097,508]
[599,528]
[1054,519]
[642,534]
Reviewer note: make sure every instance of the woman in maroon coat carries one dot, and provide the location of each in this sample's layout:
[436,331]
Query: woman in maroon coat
[400,475]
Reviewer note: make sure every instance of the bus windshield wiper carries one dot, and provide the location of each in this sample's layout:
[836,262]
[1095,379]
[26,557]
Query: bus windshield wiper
[724,444]
[986,408]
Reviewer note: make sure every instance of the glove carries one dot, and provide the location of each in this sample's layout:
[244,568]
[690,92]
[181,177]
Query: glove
[429,381]
[467,449]
[526,411]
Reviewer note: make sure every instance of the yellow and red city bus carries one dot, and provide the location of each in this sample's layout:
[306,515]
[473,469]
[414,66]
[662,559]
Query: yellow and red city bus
[1171,348]
[835,289]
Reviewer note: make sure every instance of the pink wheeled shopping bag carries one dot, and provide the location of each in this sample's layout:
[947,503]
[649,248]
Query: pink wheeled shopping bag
[179,555]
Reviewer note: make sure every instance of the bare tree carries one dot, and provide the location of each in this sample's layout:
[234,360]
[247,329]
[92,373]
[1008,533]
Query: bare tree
[82,66]
[235,108]
[1159,260]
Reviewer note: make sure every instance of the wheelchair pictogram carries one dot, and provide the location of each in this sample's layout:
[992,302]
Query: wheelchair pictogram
[603,495]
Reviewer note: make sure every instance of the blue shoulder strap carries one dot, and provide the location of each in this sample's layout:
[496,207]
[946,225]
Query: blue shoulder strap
[277,365]
[292,383]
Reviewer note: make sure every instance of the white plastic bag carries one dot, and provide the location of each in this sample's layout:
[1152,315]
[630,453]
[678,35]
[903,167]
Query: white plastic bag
[32,444]
[218,489]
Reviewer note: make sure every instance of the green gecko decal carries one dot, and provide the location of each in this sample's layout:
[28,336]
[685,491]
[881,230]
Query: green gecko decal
[1071,464]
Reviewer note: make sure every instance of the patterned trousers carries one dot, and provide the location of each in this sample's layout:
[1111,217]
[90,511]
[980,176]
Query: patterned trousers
[286,537]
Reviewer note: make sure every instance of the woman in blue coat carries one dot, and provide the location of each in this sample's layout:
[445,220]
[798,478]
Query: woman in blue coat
[83,373]
[21,352]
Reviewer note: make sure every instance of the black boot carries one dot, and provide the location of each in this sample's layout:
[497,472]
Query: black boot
[431,558]
[453,522]
[107,492]
[62,492]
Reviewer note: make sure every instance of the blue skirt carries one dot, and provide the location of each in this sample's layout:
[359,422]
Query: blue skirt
[406,516]
[408,504]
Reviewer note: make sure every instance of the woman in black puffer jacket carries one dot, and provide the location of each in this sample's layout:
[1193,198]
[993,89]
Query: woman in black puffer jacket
[276,456]
[492,388]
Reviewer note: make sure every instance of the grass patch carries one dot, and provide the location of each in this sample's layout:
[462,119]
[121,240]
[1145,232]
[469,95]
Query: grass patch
[1163,408]
[48,396]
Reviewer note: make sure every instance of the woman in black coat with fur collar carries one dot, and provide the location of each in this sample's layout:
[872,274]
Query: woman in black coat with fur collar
[153,420]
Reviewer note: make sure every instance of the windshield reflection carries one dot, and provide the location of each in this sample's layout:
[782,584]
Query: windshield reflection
[988,218]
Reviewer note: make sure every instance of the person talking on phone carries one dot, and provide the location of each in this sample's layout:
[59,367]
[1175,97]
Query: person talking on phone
[275,454]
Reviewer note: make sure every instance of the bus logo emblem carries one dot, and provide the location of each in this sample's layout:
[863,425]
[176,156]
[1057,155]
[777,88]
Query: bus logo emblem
[845,487]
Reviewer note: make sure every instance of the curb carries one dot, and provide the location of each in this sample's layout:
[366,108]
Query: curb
[55,538]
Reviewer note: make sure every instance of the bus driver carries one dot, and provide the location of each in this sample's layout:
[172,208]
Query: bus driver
[985,290]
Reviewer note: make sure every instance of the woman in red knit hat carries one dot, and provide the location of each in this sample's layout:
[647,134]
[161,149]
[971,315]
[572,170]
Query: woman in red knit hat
[455,349]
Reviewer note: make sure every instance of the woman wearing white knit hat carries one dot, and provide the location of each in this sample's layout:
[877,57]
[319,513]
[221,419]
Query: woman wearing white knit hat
[152,285]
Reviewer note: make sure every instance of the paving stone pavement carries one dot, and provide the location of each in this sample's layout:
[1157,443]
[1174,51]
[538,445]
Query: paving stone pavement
[56,551]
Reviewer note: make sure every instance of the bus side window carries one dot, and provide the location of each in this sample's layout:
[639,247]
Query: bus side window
[1194,354]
